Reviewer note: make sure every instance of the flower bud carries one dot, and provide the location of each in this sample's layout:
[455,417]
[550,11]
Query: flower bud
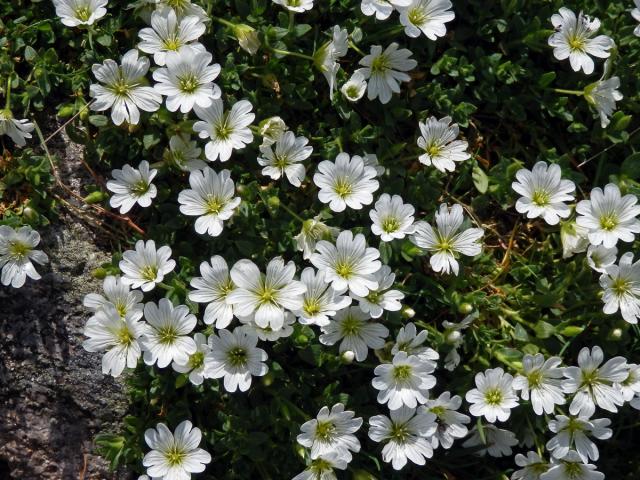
[272,129]
[347,357]
[274,201]
[408,312]
[465,308]
[247,38]
[615,334]
[453,336]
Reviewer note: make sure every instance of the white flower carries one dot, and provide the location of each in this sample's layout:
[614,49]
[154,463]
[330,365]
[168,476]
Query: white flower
[573,40]
[497,441]
[635,13]
[574,432]
[495,397]
[406,381]
[392,218]
[210,199]
[320,301]
[131,186]
[119,335]
[266,296]
[187,80]
[382,9]
[354,88]
[543,192]
[312,231]
[441,149]
[630,387]
[116,294]
[184,153]
[268,334]
[609,216]
[446,241]
[17,130]
[349,264]
[574,238]
[167,34]
[227,131]
[213,288]
[183,8]
[451,423]
[196,364]
[297,6]
[593,384]
[356,333]
[124,89]
[603,95]
[347,182]
[285,160]
[541,381]
[331,432]
[426,16]
[271,129]
[174,456]
[17,254]
[80,12]
[411,342]
[621,285]
[601,257]
[145,266]
[371,160]
[571,468]
[385,70]
[327,56]
[168,339]
[381,298]
[405,435]
[533,465]
[321,468]
[235,357]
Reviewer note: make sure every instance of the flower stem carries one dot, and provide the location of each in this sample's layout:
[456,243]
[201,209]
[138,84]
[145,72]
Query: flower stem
[288,53]
[568,92]
[292,213]
[356,48]
[291,21]
[224,22]
[8,93]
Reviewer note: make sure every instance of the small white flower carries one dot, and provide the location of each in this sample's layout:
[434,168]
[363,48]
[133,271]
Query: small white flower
[411,342]
[541,381]
[285,159]
[352,328]
[349,264]
[331,432]
[574,238]
[571,468]
[601,257]
[196,364]
[119,335]
[271,129]
[184,153]
[167,34]
[187,80]
[17,252]
[145,266]
[543,192]
[312,231]
[80,12]
[446,241]
[609,216]
[354,88]
[371,160]
[573,40]
[630,387]
[451,423]
[385,70]
[426,16]
[183,8]
[268,334]
[382,9]
[405,381]
[131,186]
[603,95]
[326,57]
[635,13]
[124,90]
[495,397]
[320,301]
[297,6]
[167,339]
[441,149]
[235,357]
[266,296]
[574,432]
[533,465]
[16,130]
[210,199]
[213,288]
[383,297]
[347,182]
[593,384]
[174,455]
[621,285]
[321,468]
[116,294]
[227,131]
[392,218]
[405,435]
[497,441]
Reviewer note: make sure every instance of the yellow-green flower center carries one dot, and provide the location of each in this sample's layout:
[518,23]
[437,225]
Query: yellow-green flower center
[433,150]
[577,43]
[222,129]
[196,360]
[214,205]
[620,286]
[140,188]
[167,335]
[175,456]
[18,250]
[125,337]
[189,83]
[351,326]
[344,269]
[535,379]
[172,43]
[609,221]
[390,224]
[121,308]
[83,13]
[399,433]
[541,198]
[402,372]
[325,430]
[311,306]
[380,64]
[493,396]
[343,187]
[417,16]
[149,273]
[237,356]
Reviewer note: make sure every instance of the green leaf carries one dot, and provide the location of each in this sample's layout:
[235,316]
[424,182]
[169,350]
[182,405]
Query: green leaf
[480,179]
[544,329]
[30,53]
[98,120]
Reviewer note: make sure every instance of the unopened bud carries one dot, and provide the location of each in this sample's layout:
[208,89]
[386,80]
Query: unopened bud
[408,312]
[247,38]
[454,336]
[274,202]
[347,357]
[465,308]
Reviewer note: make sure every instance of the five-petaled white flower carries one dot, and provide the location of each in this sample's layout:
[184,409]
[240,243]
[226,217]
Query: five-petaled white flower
[80,12]
[600,257]
[446,241]
[145,266]
[411,342]
[427,17]
[213,288]
[496,442]
[405,381]
[385,70]
[320,301]
[571,467]
[543,192]
[322,467]
[124,90]
[541,381]
[210,199]
[494,396]
[297,6]
[314,230]
[326,57]
[131,186]
[285,159]
[331,432]
[635,13]
[116,294]
[268,334]
[531,466]
[16,130]
[381,298]
[196,364]
[184,153]
[392,218]
[451,423]
[17,252]
[174,455]
[573,40]
[438,141]
[609,216]
[603,95]
[354,88]
[574,238]
[574,432]
[621,285]
[227,131]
